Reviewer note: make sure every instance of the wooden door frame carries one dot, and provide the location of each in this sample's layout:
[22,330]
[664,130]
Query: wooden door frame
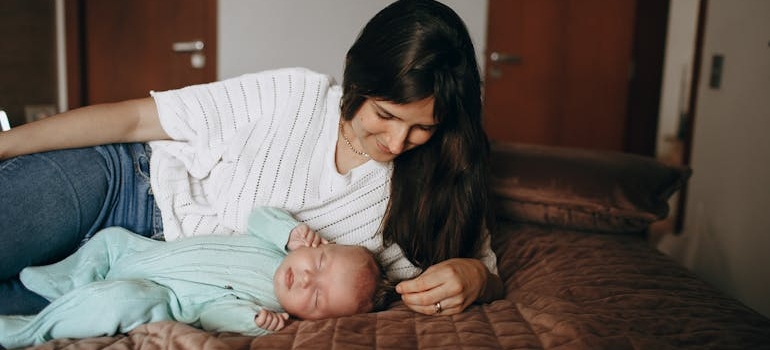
[692,104]
[74,37]
[649,46]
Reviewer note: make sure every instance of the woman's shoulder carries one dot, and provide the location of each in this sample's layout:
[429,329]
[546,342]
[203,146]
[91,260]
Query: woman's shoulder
[294,72]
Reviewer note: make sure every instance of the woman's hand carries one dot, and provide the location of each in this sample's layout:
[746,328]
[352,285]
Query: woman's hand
[449,287]
[271,321]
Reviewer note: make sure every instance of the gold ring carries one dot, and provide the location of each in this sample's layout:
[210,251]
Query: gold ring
[438,307]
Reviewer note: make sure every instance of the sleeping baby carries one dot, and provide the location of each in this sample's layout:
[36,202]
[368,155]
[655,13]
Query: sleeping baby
[247,283]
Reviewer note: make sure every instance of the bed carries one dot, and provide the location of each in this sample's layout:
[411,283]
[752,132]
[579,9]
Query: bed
[578,271]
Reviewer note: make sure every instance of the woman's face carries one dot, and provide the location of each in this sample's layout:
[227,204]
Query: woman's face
[385,129]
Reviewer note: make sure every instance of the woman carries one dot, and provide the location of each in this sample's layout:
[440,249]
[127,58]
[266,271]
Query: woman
[395,160]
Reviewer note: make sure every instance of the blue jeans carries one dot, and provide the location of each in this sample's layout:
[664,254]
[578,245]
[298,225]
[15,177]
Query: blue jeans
[52,202]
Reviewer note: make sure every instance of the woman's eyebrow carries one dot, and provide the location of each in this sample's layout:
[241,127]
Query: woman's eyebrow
[383,110]
[391,115]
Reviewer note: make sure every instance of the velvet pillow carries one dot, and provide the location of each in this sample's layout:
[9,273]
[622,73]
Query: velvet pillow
[581,189]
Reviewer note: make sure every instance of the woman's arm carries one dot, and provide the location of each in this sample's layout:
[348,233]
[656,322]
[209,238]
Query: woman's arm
[127,121]
[454,283]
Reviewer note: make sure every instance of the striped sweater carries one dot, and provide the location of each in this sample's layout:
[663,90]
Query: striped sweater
[266,139]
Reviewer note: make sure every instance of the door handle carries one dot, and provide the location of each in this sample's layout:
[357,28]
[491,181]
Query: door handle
[195,47]
[188,46]
[499,57]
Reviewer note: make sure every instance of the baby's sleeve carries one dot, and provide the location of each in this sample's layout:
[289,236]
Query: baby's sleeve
[272,225]
[204,120]
[232,315]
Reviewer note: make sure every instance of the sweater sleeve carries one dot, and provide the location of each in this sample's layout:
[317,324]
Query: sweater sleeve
[488,256]
[206,118]
[210,114]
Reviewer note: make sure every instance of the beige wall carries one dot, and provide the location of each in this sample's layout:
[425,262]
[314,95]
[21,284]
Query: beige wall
[266,34]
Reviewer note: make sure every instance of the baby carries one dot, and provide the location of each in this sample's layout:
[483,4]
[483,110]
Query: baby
[247,283]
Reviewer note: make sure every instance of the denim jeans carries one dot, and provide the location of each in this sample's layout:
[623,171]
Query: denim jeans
[52,202]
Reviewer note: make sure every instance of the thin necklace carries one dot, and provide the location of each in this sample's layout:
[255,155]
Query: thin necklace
[347,142]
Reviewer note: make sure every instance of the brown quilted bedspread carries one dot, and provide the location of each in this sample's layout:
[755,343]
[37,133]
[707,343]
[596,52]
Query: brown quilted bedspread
[564,290]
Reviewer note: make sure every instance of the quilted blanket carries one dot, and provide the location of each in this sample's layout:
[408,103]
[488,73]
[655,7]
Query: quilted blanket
[564,290]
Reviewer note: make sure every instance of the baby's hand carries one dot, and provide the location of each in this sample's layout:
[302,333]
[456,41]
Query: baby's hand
[303,236]
[271,321]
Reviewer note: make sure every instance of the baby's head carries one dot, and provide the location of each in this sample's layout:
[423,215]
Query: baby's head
[330,280]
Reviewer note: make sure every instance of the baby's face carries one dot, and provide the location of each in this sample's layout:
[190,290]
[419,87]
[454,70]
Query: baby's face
[321,282]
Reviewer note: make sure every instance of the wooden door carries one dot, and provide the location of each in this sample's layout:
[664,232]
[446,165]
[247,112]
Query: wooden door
[561,72]
[125,48]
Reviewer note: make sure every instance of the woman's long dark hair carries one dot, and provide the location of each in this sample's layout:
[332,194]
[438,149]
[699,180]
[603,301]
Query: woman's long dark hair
[411,50]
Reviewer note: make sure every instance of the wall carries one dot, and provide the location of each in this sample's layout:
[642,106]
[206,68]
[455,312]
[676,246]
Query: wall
[727,223]
[266,34]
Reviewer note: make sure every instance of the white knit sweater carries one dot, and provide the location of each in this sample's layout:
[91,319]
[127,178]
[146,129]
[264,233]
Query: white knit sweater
[267,139]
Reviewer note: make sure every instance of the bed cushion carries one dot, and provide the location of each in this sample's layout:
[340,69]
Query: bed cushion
[577,290]
[582,189]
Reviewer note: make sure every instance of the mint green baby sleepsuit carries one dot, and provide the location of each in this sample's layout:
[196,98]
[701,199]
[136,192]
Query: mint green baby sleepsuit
[119,280]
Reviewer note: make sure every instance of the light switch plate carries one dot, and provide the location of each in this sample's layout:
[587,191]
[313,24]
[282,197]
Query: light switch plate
[717,61]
